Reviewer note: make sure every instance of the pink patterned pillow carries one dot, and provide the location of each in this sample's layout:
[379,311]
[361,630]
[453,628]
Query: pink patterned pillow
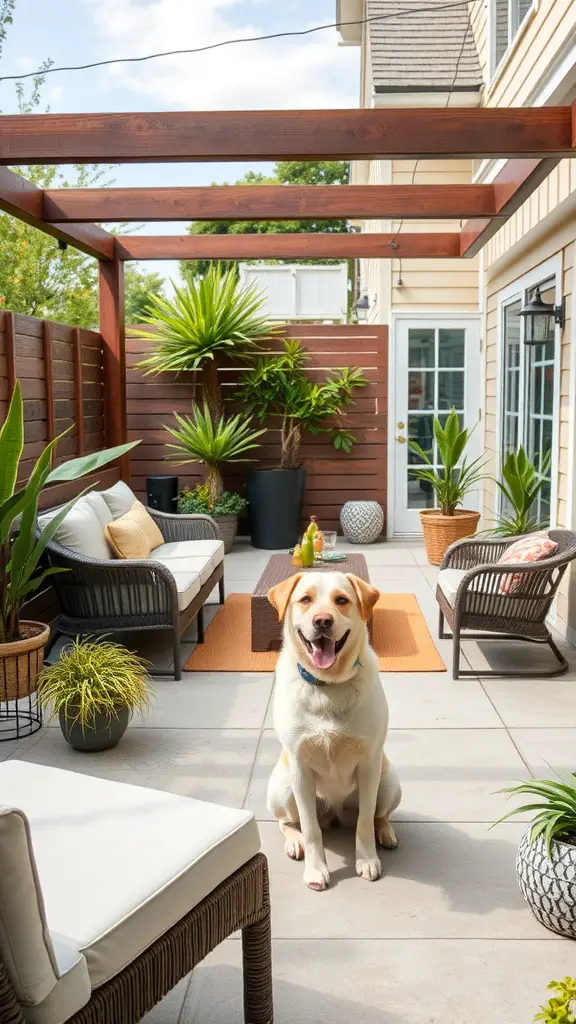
[532,548]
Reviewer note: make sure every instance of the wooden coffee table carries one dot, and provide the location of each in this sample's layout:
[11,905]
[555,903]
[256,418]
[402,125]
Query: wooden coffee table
[266,630]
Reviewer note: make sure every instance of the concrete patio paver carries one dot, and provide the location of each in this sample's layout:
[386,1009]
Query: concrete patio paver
[444,935]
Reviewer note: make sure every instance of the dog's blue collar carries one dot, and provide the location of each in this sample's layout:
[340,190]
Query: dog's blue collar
[309,678]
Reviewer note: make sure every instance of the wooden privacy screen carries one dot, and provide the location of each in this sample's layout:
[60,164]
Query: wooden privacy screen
[60,370]
[333,477]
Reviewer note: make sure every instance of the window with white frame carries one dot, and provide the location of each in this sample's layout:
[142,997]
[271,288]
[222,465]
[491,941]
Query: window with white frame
[529,373]
[507,17]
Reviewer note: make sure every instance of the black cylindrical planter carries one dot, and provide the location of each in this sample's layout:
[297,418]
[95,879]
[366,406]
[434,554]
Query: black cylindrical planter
[162,492]
[275,498]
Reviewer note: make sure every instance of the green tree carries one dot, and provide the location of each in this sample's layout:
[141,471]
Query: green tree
[292,172]
[139,287]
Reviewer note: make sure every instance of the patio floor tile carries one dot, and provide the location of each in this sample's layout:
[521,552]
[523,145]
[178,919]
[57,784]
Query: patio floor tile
[385,982]
[525,703]
[210,700]
[444,881]
[427,700]
[209,764]
[547,749]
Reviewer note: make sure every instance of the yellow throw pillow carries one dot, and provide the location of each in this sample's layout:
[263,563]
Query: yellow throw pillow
[133,535]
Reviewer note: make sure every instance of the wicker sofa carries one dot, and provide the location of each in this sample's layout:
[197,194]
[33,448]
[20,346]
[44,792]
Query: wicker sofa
[111,893]
[470,597]
[102,594]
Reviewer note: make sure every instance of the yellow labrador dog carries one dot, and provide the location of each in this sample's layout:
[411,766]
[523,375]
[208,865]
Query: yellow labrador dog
[331,716]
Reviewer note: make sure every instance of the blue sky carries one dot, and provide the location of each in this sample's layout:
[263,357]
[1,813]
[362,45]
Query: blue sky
[310,72]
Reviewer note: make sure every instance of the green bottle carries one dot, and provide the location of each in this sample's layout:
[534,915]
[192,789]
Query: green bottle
[307,551]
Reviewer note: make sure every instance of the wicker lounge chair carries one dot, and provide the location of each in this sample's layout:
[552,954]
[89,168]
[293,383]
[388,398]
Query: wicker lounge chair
[469,596]
[105,931]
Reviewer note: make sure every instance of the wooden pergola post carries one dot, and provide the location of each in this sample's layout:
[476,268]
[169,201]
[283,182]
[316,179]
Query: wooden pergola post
[112,329]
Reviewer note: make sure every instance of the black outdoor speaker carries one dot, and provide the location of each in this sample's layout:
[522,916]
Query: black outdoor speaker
[162,492]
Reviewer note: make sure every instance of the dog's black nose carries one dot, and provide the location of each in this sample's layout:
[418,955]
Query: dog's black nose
[323,621]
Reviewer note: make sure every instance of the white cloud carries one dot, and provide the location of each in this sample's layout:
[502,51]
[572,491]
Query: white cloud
[311,72]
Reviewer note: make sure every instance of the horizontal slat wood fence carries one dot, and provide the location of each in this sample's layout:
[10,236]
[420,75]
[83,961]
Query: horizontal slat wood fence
[61,375]
[332,477]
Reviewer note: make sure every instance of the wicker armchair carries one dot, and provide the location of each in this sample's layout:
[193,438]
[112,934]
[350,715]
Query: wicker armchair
[470,598]
[98,596]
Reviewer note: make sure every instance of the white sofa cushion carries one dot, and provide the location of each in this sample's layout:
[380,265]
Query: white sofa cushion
[136,860]
[82,529]
[449,580]
[119,499]
[188,583]
[202,556]
[72,990]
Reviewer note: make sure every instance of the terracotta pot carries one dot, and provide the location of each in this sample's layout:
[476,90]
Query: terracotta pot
[441,531]
[21,661]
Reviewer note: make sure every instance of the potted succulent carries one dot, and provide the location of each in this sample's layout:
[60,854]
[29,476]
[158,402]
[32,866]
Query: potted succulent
[277,390]
[199,439]
[450,483]
[226,510]
[560,1008]
[546,861]
[206,323]
[21,572]
[520,486]
[94,689]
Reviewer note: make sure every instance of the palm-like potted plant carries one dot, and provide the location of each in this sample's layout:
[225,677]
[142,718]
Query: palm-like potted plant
[199,439]
[546,861]
[520,485]
[207,322]
[21,572]
[277,391]
[450,483]
[94,689]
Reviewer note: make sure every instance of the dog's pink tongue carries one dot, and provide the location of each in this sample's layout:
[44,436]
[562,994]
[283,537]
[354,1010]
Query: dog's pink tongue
[323,653]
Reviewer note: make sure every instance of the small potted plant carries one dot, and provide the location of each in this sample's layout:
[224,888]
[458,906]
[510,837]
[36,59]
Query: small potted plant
[278,392]
[21,571]
[450,483]
[94,689]
[546,861]
[520,486]
[198,439]
[228,507]
[560,1008]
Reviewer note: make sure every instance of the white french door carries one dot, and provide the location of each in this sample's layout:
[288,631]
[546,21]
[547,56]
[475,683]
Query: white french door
[438,368]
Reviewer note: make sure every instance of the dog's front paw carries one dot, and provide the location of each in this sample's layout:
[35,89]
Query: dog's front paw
[369,868]
[317,878]
[385,835]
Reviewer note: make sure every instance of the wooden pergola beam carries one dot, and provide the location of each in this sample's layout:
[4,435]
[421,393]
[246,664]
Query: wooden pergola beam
[286,135]
[512,187]
[289,246]
[22,199]
[269,202]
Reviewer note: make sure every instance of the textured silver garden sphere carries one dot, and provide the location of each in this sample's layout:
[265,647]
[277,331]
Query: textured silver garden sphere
[548,884]
[362,521]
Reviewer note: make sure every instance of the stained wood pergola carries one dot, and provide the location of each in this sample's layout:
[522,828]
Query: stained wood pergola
[530,140]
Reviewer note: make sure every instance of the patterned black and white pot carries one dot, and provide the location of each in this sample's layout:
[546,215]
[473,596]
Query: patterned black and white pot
[361,521]
[548,884]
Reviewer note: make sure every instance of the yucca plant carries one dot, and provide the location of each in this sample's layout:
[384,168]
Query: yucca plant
[520,486]
[21,572]
[555,808]
[199,439]
[451,482]
[94,677]
[560,1008]
[206,321]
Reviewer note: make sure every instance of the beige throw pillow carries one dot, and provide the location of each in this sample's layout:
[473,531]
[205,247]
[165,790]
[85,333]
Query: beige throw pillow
[135,534]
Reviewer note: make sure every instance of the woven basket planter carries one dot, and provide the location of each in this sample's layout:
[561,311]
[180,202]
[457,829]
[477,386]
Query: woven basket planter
[228,526]
[548,884]
[441,531]
[21,661]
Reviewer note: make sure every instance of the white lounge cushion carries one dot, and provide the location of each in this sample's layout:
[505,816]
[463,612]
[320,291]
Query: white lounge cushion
[176,550]
[72,990]
[119,499]
[82,529]
[188,583]
[449,580]
[119,865]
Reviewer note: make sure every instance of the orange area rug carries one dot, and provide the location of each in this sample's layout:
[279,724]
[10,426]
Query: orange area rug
[401,639]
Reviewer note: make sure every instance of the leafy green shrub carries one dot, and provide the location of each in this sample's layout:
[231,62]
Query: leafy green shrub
[561,1008]
[521,485]
[556,817]
[452,482]
[94,676]
[198,501]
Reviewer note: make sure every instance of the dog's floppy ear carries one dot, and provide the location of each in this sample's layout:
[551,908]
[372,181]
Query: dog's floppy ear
[280,595]
[366,594]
